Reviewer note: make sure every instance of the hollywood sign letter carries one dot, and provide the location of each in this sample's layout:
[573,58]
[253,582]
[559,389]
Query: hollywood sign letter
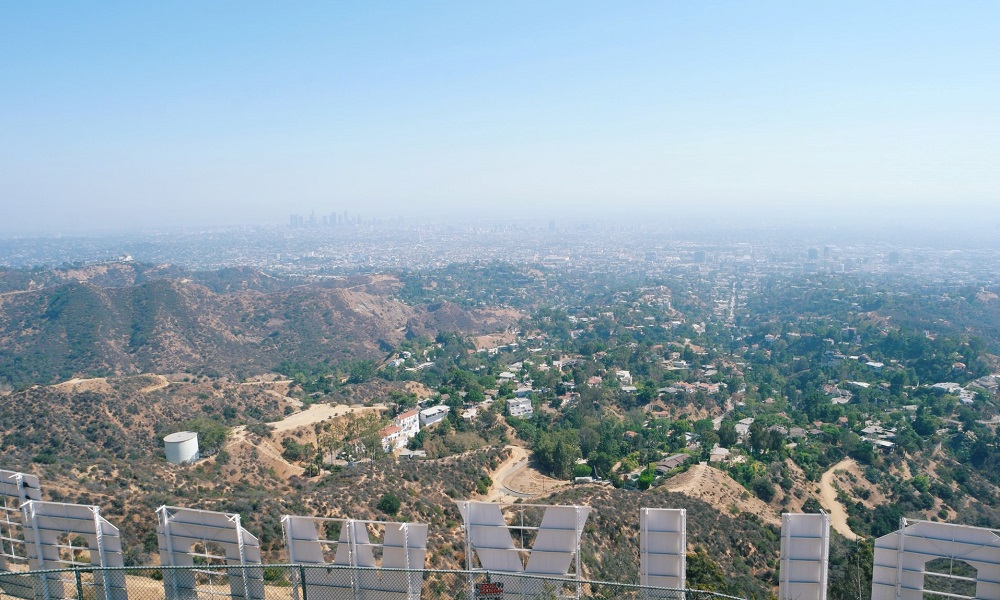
[662,547]
[557,542]
[902,558]
[805,553]
[184,534]
[51,533]
[15,489]
[403,546]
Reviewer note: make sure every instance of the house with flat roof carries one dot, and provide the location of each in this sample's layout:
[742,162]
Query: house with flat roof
[434,414]
[719,454]
[520,407]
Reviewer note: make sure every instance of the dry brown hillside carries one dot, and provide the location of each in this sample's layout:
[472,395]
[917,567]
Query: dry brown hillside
[721,491]
[240,327]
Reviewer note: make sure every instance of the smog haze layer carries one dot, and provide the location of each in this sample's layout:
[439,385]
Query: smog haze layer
[132,118]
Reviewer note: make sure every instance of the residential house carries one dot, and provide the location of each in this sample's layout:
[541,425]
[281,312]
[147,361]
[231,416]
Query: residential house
[392,438]
[520,407]
[408,422]
[671,462]
[743,426]
[719,454]
[434,414]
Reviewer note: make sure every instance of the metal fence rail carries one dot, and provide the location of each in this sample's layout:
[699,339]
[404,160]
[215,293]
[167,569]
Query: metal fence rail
[315,582]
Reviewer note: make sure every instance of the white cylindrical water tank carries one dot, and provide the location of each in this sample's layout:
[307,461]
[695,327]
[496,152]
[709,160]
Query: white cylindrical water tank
[181,447]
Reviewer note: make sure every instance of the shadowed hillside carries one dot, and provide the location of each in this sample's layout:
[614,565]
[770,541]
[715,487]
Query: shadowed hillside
[236,322]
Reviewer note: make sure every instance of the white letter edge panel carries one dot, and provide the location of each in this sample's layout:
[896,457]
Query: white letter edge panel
[662,547]
[51,527]
[805,554]
[184,533]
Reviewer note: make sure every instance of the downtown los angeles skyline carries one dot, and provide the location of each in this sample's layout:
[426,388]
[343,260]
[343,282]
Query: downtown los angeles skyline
[119,116]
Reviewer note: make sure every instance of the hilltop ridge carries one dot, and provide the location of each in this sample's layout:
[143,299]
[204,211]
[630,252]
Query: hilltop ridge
[127,319]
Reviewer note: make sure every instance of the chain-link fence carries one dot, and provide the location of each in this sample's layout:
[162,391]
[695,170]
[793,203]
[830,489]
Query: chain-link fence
[310,582]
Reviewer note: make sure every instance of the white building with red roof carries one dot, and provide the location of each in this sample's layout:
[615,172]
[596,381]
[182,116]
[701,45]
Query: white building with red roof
[409,422]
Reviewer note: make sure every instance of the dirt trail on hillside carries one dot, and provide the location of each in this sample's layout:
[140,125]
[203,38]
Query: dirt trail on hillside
[828,498]
[159,385]
[271,454]
[499,491]
[515,478]
[267,452]
[721,491]
[689,481]
[77,385]
[320,412]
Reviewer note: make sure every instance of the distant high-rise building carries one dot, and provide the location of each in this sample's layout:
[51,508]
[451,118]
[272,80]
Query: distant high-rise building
[827,252]
[699,256]
[813,254]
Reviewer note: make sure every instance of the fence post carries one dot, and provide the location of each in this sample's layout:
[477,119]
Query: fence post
[79,584]
[302,581]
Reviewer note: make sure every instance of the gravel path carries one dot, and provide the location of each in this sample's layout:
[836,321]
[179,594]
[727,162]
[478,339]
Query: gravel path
[828,498]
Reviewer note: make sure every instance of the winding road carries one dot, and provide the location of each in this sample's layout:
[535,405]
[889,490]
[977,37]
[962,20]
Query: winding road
[509,469]
[828,498]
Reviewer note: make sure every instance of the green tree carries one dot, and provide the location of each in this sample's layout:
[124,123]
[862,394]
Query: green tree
[703,573]
[925,424]
[602,463]
[727,434]
[763,488]
[362,371]
[212,435]
[646,392]
[759,438]
[389,503]
[556,454]
[647,478]
[851,570]
[589,440]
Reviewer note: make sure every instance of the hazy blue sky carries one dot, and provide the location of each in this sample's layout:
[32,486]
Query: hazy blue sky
[138,113]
